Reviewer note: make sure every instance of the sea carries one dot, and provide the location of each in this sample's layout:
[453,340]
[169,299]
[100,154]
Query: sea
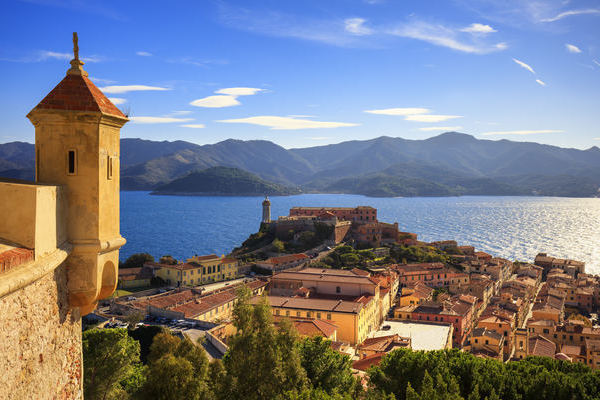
[516,228]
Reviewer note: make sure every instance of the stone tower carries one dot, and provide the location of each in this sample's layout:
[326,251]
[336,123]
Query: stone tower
[77,146]
[266,207]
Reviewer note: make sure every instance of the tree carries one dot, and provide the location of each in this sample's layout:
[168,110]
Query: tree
[326,368]
[178,369]
[411,394]
[168,259]
[137,260]
[262,362]
[277,246]
[109,357]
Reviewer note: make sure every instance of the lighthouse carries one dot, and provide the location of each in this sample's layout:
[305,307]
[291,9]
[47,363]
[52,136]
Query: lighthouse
[266,206]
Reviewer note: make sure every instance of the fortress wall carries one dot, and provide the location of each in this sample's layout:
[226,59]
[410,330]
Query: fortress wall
[40,342]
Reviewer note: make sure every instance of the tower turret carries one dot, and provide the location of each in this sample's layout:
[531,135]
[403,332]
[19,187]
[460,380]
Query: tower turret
[266,206]
[77,145]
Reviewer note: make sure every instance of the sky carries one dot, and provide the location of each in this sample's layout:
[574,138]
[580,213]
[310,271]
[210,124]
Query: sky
[308,73]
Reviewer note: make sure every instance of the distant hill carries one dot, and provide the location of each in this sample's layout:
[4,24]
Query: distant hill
[448,164]
[224,181]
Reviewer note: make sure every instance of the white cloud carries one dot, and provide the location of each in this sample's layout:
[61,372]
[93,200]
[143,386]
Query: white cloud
[158,120]
[182,112]
[130,88]
[356,26]
[523,132]
[478,29]
[597,138]
[287,123]
[117,100]
[218,101]
[526,66]
[102,81]
[432,118]
[195,126]
[569,13]
[440,35]
[143,53]
[596,62]
[227,97]
[399,111]
[541,82]
[239,91]
[44,55]
[571,48]
[440,128]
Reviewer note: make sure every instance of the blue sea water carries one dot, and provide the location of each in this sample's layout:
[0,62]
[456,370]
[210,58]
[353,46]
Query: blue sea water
[510,227]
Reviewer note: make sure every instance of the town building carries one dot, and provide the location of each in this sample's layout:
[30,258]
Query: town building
[280,263]
[213,306]
[198,270]
[432,274]
[59,239]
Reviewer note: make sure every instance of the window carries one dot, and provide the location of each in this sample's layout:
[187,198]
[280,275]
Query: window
[297,313]
[328,316]
[318,315]
[338,289]
[71,162]
[276,312]
[287,313]
[109,167]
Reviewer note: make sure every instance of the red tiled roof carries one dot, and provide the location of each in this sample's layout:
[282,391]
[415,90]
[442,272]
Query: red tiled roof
[315,327]
[368,362]
[14,257]
[78,93]
[286,258]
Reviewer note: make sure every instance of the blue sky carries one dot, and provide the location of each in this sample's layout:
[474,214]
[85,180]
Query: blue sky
[306,73]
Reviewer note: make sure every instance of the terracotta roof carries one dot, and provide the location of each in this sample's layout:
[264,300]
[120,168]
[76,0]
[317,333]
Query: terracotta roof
[540,346]
[78,93]
[384,344]
[207,257]
[315,304]
[11,256]
[368,362]
[572,350]
[315,327]
[313,274]
[286,259]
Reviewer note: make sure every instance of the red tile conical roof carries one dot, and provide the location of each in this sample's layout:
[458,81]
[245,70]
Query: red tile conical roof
[78,93]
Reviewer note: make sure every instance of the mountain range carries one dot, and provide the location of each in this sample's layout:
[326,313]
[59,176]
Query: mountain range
[448,164]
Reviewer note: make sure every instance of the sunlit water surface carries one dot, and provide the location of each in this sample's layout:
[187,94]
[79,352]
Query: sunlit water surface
[510,227]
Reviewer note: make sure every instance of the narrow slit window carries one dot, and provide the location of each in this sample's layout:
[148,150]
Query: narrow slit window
[71,162]
[109,167]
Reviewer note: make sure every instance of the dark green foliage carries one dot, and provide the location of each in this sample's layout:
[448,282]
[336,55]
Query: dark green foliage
[417,254]
[145,335]
[136,260]
[168,259]
[326,369]
[461,375]
[110,363]
[262,362]
[224,181]
[177,369]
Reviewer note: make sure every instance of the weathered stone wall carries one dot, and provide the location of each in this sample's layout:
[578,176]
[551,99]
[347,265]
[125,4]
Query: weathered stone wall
[40,342]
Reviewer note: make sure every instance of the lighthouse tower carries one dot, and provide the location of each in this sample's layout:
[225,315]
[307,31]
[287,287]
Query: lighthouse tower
[266,204]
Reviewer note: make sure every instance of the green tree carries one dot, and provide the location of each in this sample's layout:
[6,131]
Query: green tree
[110,356]
[411,394]
[137,260]
[277,246]
[326,368]
[262,362]
[178,369]
[168,259]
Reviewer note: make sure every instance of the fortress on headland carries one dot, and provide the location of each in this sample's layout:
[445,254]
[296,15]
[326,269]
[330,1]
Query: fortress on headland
[59,239]
[359,224]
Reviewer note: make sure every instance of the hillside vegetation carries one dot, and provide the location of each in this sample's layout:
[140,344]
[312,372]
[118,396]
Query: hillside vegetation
[224,181]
